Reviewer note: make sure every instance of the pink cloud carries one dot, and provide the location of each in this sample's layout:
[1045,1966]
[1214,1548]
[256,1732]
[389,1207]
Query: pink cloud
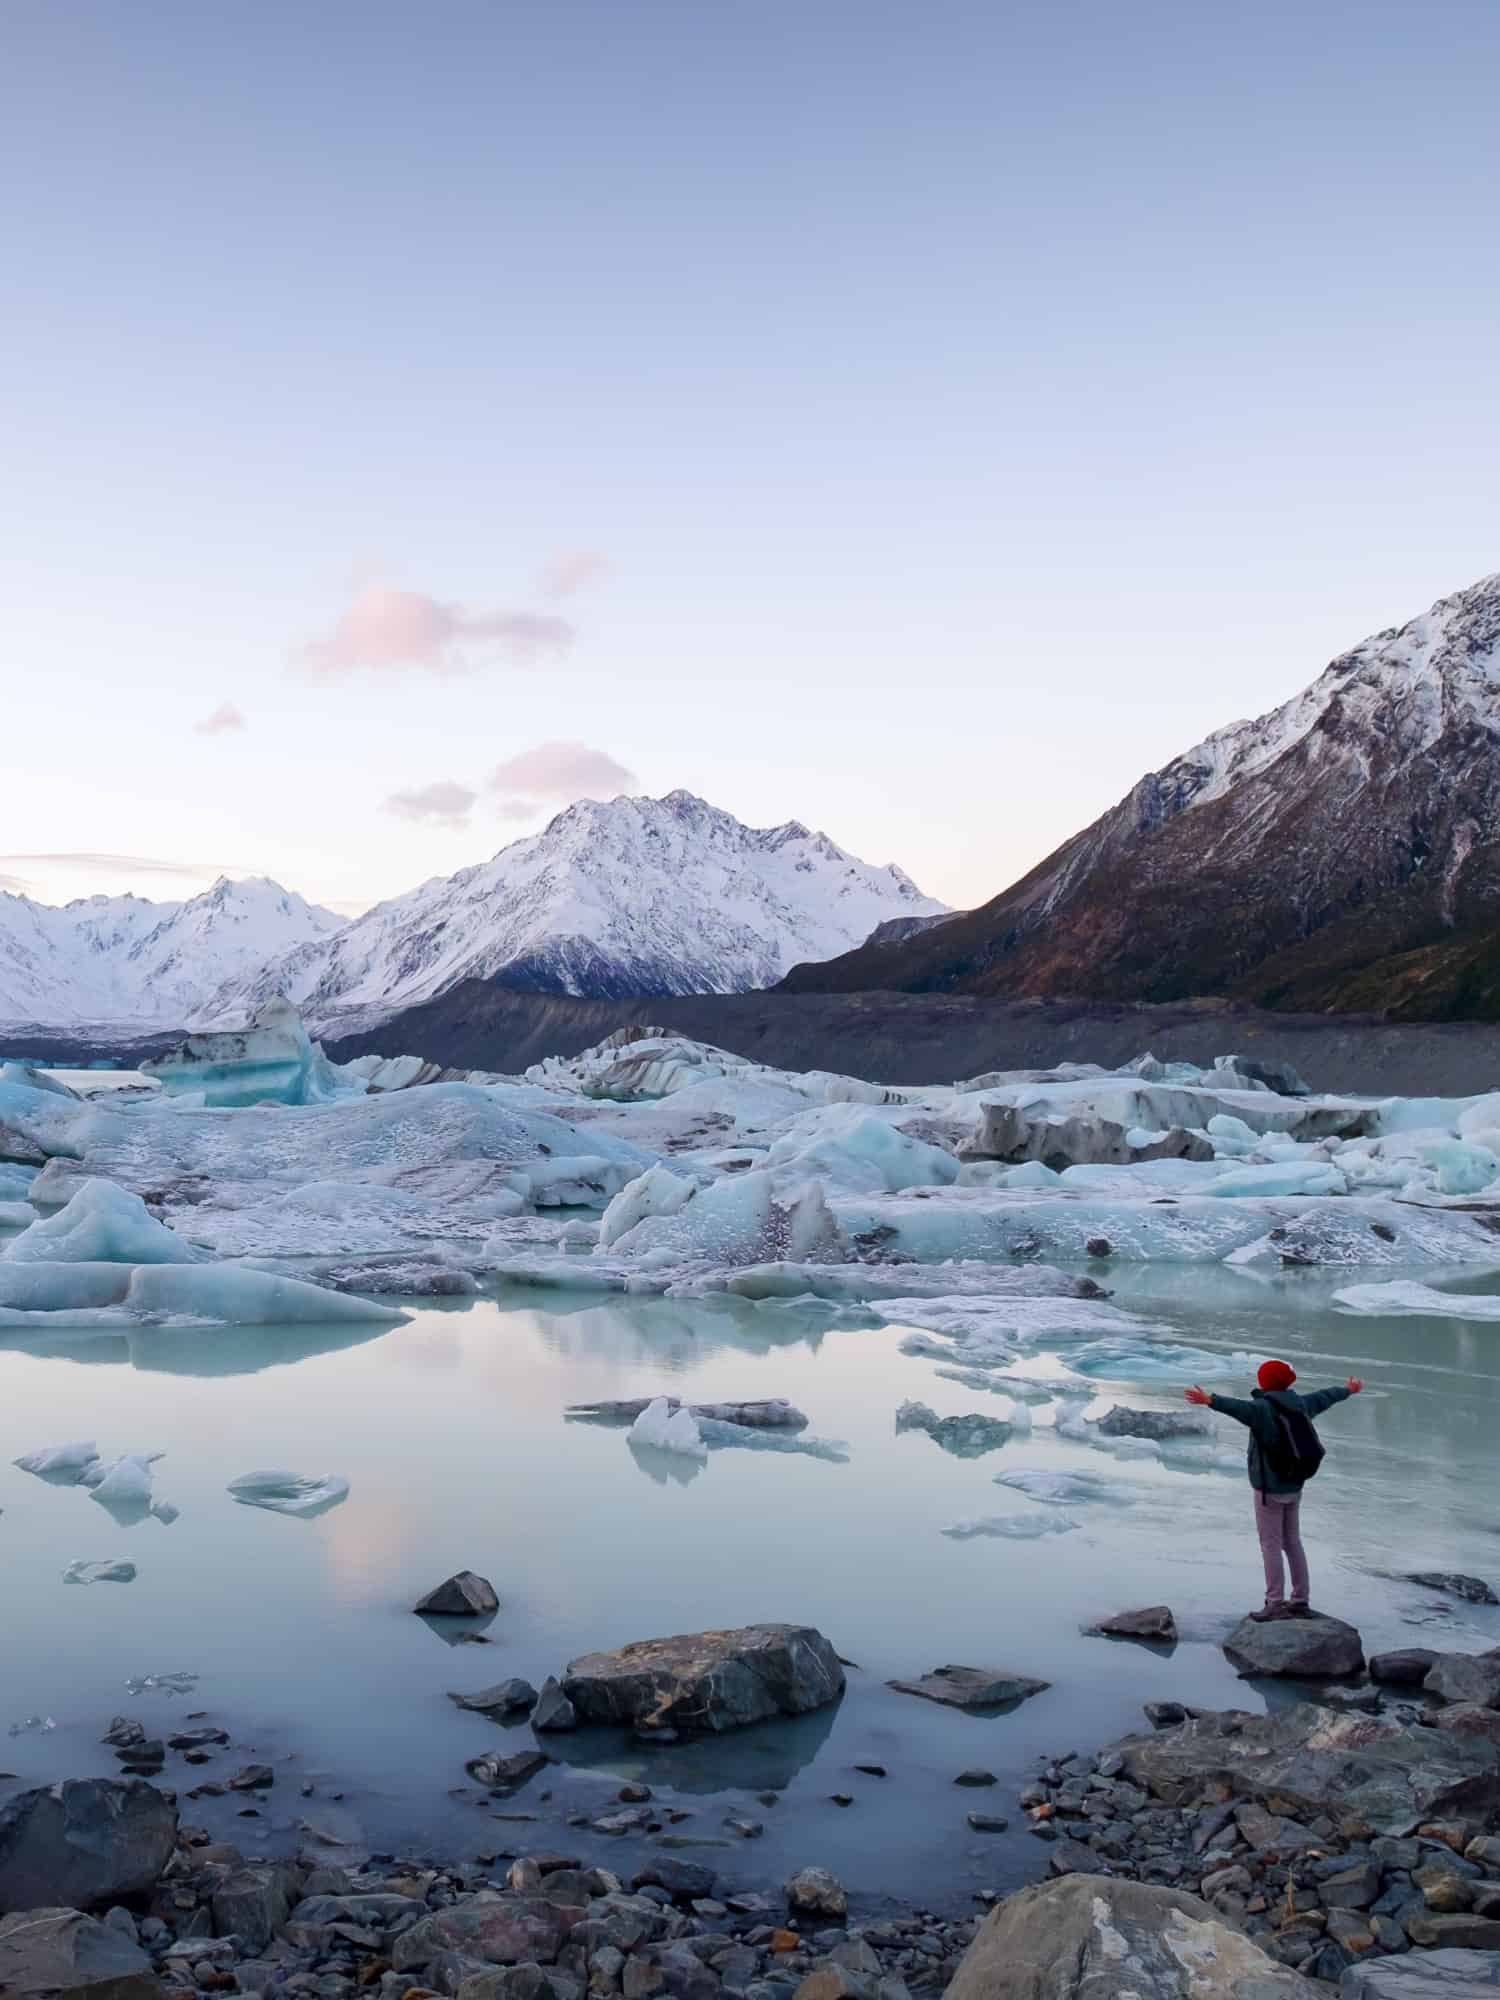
[225,716]
[559,771]
[444,803]
[572,571]
[393,629]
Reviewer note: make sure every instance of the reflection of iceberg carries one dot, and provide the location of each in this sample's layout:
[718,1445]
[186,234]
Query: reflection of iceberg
[168,1350]
[765,1757]
[665,1467]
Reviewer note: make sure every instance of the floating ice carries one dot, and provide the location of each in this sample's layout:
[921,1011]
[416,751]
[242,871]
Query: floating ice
[1011,1527]
[658,1191]
[169,1683]
[1406,1295]
[126,1479]
[41,1297]
[102,1224]
[851,1146]
[665,1429]
[721,1436]
[290,1492]
[64,1464]
[1157,1361]
[40,1725]
[271,1061]
[99,1572]
[1061,1489]
[16,1215]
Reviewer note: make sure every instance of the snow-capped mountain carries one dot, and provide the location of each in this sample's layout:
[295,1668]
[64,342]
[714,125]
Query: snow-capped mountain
[125,960]
[1340,852]
[636,896]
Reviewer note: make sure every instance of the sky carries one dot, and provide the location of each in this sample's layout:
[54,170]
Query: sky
[914,420]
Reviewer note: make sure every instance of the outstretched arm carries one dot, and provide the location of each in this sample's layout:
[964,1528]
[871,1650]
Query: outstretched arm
[1227,1406]
[1324,1399]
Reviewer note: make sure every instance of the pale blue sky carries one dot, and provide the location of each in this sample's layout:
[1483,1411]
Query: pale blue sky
[972,404]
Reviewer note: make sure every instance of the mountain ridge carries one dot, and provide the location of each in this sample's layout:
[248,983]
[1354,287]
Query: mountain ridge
[1332,854]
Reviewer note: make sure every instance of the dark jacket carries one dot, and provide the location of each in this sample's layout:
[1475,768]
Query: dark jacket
[1257,1418]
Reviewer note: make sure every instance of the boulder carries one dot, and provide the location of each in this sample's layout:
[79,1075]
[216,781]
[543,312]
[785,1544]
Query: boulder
[1303,1648]
[1308,1759]
[707,1681]
[507,1773]
[813,1892]
[553,1710]
[1152,1621]
[254,1902]
[1096,1937]
[1121,1422]
[1466,1677]
[464,1595]
[1434,1975]
[1460,1932]
[64,1955]
[684,1881]
[1408,1666]
[1472,1589]
[1469,1719]
[504,1698]
[518,1982]
[972,1687]
[85,1842]
[495,1929]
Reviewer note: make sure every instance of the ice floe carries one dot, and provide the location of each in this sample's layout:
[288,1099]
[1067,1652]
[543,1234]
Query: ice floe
[303,1494]
[1406,1295]
[660,1427]
[116,1571]
[1010,1527]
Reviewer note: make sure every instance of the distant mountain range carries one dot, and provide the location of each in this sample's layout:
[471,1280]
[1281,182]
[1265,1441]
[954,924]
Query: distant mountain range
[128,961]
[637,896]
[634,897]
[1341,853]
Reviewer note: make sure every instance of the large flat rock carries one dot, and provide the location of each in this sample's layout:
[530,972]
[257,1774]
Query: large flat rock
[1424,1975]
[1299,1648]
[707,1681]
[972,1687]
[1315,1759]
[1096,1937]
[85,1842]
[64,1955]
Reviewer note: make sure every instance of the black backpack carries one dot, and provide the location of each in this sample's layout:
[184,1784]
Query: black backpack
[1297,1450]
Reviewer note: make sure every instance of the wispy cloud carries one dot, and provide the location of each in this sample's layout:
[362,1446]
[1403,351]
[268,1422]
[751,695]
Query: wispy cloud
[557,772]
[226,716]
[135,864]
[571,571]
[388,630]
[443,803]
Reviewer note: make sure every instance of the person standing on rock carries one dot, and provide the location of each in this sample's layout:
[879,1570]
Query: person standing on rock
[1284,1453]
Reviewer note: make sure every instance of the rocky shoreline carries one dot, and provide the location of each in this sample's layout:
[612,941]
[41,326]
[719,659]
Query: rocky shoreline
[1349,1842]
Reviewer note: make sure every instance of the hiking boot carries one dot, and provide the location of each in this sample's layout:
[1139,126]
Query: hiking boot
[1269,1614]
[1300,1611]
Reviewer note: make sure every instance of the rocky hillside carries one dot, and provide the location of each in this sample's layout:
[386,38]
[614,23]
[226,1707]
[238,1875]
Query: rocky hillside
[1341,853]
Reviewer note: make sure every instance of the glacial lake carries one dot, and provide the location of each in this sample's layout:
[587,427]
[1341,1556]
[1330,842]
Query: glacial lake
[452,1433]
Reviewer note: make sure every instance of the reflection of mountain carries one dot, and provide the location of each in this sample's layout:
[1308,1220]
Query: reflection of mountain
[765,1757]
[670,1333]
[193,1350]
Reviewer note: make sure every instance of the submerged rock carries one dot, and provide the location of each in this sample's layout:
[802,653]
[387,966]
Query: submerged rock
[707,1681]
[506,1773]
[1094,1937]
[969,1436]
[1304,1648]
[1152,1621]
[972,1687]
[553,1709]
[464,1595]
[1472,1589]
[504,1698]
[55,1954]
[85,1842]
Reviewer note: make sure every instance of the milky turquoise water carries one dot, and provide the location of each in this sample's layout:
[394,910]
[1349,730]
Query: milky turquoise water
[452,1433]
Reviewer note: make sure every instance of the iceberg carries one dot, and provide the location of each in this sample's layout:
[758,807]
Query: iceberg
[64,1464]
[41,1297]
[272,1060]
[99,1572]
[1405,1296]
[1010,1527]
[125,1480]
[101,1224]
[662,1428]
[658,1191]
[302,1494]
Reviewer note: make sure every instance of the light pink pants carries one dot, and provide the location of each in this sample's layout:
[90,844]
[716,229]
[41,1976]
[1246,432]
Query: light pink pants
[1278,1523]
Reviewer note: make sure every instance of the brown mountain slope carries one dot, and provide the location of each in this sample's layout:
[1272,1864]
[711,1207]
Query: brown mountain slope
[1341,852]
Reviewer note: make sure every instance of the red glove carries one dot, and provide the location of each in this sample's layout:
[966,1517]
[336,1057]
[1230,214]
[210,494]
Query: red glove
[1354,1385]
[1197,1395]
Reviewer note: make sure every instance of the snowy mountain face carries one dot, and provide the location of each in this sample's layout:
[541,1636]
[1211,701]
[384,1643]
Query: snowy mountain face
[1339,852]
[635,897]
[123,960]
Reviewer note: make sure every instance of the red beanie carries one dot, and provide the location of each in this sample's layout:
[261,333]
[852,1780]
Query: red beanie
[1276,1375]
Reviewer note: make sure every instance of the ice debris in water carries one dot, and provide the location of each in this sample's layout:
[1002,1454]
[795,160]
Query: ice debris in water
[1061,1489]
[39,1725]
[127,1478]
[1157,1361]
[290,1492]
[64,1464]
[1406,1295]
[665,1429]
[168,1683]
[718,1436]
[99,1572]
[101,1224]
[1010,1527]
[43,1297]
